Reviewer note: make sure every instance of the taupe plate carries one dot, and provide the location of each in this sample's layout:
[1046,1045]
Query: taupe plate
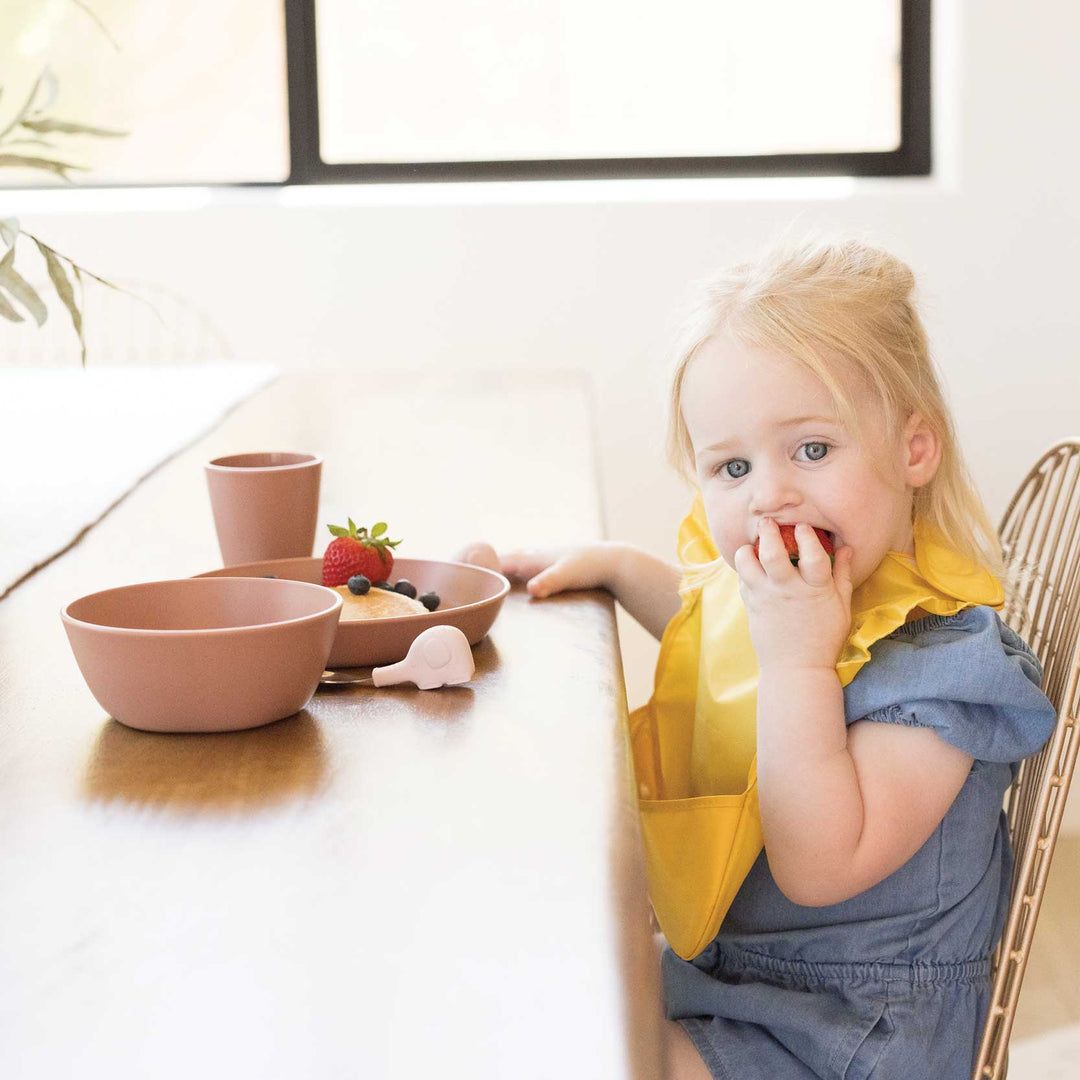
[470,600]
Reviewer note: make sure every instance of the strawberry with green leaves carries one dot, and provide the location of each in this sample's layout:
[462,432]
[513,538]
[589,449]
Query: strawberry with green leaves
[787,534]
[356,551]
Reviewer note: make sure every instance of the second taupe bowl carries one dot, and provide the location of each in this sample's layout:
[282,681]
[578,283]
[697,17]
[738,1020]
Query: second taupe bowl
[470,600]
[203,655]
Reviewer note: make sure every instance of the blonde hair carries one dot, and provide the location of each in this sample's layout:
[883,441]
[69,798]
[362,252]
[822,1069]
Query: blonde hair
[844,311]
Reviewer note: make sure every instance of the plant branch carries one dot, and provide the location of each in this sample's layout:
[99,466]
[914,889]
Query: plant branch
[100,25]
[43,247]
[22,113]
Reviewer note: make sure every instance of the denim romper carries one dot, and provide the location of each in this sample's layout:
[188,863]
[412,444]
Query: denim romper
[893,983]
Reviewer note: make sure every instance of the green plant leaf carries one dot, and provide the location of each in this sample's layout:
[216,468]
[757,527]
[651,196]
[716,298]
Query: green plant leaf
[63,290]
[29,142]
[8,311]
[45,126]
[378,530]
[60,168]
[20,288]
[82,299]
[337,530]
[9,230]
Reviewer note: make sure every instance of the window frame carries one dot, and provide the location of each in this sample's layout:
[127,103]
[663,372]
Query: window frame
[911,158]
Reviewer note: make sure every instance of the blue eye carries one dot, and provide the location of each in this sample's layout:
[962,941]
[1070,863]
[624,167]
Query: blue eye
[735,469]
[815,451]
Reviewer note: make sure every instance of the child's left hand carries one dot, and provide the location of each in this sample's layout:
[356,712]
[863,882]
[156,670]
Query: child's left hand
[800,616]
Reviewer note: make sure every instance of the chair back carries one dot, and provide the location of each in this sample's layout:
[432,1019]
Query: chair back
[1040,536]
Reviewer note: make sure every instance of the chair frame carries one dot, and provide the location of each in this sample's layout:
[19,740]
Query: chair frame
[1040,535]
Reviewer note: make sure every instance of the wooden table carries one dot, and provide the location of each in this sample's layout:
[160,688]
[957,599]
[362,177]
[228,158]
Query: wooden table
[393,883]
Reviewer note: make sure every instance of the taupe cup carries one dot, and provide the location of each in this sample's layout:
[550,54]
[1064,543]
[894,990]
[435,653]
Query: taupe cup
[265,505]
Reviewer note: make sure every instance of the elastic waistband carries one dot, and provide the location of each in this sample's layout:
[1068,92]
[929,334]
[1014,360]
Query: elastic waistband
[919,973]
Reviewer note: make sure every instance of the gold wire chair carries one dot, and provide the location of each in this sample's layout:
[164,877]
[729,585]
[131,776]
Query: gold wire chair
[1040,535]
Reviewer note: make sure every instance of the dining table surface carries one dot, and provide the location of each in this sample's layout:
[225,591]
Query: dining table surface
[391,883]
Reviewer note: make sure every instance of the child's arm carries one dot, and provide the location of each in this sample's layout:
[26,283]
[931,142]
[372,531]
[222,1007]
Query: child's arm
[647,587]
[841,808]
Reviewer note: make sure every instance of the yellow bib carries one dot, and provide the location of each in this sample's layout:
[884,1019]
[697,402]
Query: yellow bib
[694,743]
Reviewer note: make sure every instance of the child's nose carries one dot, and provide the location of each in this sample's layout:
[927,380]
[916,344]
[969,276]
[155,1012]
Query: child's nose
[773,492]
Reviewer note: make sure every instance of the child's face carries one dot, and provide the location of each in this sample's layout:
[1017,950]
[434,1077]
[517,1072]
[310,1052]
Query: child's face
[786,456]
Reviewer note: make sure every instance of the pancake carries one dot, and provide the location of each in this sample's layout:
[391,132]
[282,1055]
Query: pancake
[377,604]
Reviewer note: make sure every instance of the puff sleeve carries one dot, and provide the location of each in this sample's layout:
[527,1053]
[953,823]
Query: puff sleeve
[968,676]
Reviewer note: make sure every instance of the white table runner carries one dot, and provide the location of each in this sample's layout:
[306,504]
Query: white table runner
[74,441]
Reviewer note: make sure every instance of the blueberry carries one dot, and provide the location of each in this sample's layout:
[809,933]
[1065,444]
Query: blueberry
[406,588]
[430,600]
[358,584]
[383,585]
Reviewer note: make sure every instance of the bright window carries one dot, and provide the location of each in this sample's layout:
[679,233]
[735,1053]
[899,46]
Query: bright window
[309,91]
[512,80]
[198,86]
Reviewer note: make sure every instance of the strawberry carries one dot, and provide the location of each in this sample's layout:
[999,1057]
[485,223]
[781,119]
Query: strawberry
[355,551]
[787,534]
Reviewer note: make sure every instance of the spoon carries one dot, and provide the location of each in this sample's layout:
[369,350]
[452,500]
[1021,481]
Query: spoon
[440,656]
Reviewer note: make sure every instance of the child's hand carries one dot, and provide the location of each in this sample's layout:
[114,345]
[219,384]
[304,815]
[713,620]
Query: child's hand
[479,553]
[800,616]
[545,571]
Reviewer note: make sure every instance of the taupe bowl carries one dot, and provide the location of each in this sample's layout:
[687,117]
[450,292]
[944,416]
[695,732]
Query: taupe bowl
[203,655]
[470,598]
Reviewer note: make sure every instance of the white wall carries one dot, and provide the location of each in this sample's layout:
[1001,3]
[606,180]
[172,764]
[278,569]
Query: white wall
[588,276]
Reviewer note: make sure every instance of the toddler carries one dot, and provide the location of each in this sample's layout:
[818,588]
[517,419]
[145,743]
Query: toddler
[822,765]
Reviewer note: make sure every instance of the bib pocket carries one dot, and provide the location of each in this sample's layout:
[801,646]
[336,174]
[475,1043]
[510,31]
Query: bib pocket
[697,853]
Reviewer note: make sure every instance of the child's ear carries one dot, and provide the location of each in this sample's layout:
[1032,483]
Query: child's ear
[922,451]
